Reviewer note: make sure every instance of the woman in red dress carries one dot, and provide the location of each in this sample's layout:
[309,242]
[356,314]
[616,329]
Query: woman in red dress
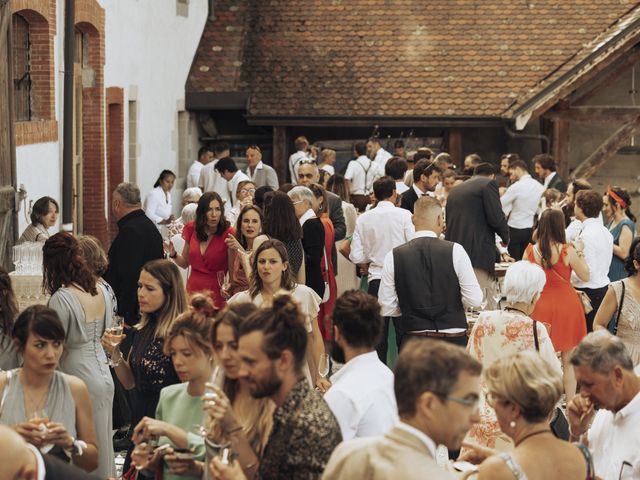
[559,305]
[205,250]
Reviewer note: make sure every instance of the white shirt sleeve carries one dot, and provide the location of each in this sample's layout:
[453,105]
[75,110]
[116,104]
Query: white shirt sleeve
[344,410]
[469,286]
[358,255]
[193,176]
[153,204]
[409,229]
[573,230]
[507,199]
[387,295]
[350,170]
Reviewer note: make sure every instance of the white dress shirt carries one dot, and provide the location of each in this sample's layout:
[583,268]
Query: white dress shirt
[469,287]
[294,163]
[157,205]
[575,227]
[212,181]
[361,174]
[193,175]
[548,179]
[614,441]
[420,193]
[238,177]
[401,187]
[329,169]
[371,243]
[598,249]
[362,397]
[309,214]
[381,159]
[520,202]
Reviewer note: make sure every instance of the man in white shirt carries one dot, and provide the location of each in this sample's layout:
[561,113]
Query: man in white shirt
[210,178]
[360,175]
[379,155]
[437,388]
[545,168]
[520,204]
[427,282]
[205,155]
[259,173]
[598,250]
[229,171]
[361,395]
[301,144]
[608,385]
[396,168]
[371,243]
[575,226]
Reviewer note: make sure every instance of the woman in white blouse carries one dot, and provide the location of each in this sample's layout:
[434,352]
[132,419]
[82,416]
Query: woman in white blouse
[271,273]
[157,204]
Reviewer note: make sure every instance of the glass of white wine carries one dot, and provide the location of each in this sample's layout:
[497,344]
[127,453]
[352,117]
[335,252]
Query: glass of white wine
[115,335]
[324,365]
[217,380]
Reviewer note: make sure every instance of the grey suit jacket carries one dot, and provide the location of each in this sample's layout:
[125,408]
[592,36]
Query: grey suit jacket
[396,455]
[265,176]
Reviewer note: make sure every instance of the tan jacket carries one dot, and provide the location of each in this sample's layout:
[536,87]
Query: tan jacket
[396,455]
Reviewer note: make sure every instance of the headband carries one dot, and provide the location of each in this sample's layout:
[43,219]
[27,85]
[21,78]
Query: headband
[617,198]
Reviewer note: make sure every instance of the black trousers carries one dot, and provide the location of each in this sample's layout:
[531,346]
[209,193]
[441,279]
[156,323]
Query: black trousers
[519,238]
[461,341]
[383,346]
[596,295]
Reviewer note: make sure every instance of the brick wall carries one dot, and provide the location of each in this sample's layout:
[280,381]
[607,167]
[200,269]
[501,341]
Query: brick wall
[115,147]
[41,16]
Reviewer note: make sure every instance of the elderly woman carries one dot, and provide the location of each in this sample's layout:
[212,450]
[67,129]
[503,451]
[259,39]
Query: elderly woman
[313,237]
[44,215]
[524,389]
[498,334]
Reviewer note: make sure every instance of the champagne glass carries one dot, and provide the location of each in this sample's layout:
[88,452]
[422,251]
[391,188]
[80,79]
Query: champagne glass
[40,418]
[217,380]
[324,365]
[497,293]
[485,299]
[115,337]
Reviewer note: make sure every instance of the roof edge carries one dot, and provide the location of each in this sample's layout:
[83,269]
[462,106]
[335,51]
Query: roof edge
[382,121]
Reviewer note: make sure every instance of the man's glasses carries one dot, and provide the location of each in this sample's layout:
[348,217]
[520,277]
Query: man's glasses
[467,402]
[307,161]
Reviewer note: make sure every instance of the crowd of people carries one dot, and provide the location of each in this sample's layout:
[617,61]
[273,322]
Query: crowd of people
[255,334]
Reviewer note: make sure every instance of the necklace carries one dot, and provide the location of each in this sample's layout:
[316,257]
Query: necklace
[532,434]
[39,405]
[511,309]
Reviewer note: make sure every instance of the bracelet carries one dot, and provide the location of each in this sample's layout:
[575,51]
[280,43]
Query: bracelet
[234,430]
[175,254]
[573,434]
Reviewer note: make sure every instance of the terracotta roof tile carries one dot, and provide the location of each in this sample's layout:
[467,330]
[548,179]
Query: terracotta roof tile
[367,58]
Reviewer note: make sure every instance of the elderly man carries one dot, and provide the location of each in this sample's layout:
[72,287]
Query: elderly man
[260,173]
[437,388]
[608,385]
[137,242]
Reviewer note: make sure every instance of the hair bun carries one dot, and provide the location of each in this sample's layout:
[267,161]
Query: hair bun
[202,303]
[286,308]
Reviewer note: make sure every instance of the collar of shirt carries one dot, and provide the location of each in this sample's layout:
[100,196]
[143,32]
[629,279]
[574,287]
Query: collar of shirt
[425,233]
[418,191]
[385,204]
[629,409]
[358,362]
[39,461]
[362,158]
[524,177]
[309,214]
[590,221]
[299,391]
[424,438]
[547,180]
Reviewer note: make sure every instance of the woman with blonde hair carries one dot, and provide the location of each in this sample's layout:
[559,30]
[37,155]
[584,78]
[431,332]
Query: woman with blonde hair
[524,390]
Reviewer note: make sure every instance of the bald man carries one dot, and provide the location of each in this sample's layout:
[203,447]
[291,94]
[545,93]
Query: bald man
[20,460]
[427,282]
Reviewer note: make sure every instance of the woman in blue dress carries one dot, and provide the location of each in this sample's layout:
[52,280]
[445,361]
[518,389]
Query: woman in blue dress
[622,226]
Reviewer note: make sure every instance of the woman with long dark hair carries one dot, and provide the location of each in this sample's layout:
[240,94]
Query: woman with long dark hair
[622,225]
[205,249]
[9,358]
[86,311]
[157,205]
[559,304]
[248,228]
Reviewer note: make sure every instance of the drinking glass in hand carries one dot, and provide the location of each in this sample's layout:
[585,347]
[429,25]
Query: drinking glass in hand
[115,337]
[324,365]
[40,418]
[497,293]
[485,299]
[210,396]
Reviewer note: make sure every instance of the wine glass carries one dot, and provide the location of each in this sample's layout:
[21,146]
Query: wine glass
[40,418]
[115,337]
[324,365]
[497,293]
[217,380]
[485,299]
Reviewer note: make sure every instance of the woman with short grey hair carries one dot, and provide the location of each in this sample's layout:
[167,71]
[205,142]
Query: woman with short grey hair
[501,333]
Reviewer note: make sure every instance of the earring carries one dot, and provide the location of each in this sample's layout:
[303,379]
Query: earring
[512,424]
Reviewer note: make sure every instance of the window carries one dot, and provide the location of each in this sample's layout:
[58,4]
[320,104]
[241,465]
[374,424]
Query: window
[133,141]
[182,8]
[21,69]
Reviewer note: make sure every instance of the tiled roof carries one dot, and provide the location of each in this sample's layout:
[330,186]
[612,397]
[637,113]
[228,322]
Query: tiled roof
[388,58]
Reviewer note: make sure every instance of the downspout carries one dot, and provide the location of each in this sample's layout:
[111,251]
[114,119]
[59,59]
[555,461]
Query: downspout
[68,114]
[528,136]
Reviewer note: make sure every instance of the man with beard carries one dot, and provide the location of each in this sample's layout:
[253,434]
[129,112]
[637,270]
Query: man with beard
[272,346]
[361,396]
[426,175]
[608,385]
[437,387]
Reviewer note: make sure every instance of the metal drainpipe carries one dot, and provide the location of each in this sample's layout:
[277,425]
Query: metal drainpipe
[67,129]
[528,136]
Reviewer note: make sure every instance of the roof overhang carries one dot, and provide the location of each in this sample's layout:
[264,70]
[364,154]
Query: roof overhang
[354,121]
[216,100]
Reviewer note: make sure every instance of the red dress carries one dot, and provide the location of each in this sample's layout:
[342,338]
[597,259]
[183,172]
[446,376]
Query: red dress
[559,304]
[204,268]
[326,308]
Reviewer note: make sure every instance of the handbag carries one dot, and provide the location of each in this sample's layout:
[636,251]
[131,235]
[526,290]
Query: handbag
[558,424]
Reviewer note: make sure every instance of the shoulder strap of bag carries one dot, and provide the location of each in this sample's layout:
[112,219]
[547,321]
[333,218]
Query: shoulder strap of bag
[615,326]
[586,453]
[535,336]
[5,390]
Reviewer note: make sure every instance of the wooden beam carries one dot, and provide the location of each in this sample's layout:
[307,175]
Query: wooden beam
[606,150]
[279,153]
[455,146]
[595,114]
[560,146]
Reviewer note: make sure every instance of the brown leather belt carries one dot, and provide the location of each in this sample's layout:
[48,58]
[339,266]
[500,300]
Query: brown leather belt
[438,334]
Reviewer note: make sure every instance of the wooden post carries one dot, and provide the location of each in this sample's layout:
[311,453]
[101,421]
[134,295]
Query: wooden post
[606,150]
[280,152]
[455,146]
[560,146]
